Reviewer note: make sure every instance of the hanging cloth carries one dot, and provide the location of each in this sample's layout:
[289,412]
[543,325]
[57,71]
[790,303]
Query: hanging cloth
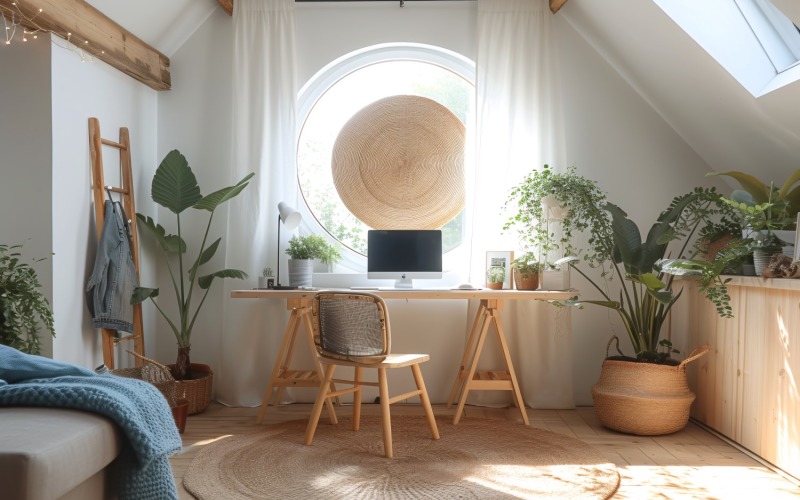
[111,285]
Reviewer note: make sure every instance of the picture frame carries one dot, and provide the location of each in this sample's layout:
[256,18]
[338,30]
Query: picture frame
[500,258]
[797,239]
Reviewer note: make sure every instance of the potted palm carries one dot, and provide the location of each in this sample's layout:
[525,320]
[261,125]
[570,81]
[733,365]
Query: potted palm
[24,310]
[175,187]
[647,393]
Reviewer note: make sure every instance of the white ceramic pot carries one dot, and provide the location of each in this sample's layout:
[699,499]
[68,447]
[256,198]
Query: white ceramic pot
[300,272]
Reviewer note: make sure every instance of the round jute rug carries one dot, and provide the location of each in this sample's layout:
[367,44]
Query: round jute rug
[477,458]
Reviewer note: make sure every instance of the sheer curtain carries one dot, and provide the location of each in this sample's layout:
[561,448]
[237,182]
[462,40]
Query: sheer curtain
[264,96]
[518,129]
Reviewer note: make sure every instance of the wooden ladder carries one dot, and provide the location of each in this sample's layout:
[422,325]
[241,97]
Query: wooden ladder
[99,189]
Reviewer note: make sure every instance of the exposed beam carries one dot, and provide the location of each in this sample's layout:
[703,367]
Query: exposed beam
[554,5]
[97,35]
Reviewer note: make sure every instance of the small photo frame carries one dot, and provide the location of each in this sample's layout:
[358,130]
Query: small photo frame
[495,259]
[797,239]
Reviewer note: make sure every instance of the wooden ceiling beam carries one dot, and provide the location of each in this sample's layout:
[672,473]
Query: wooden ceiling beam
[96,34]
[554,5]
[227,5]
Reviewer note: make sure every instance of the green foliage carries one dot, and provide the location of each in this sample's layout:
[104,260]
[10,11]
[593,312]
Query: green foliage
[313,246]
[646,295]
[496,274]
[23,307]
[526,264]
[267,272]
[175,187]
[784,203]
[580,196]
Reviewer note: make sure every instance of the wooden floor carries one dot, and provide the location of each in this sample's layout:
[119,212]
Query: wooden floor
[692,463]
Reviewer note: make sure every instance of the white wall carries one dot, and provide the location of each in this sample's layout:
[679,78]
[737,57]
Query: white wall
[612,135]
[25,157]
[80,91]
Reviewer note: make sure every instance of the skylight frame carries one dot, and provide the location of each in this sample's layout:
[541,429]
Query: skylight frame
[777,34]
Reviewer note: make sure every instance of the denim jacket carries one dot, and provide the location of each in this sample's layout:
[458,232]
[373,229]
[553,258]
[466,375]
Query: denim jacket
[110,287]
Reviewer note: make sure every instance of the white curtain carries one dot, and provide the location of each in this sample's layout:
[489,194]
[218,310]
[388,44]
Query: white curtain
[264,96]
[518,129]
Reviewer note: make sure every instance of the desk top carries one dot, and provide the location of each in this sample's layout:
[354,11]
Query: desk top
[413,294]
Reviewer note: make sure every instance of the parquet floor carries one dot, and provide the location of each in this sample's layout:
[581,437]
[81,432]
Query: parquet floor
[691,464]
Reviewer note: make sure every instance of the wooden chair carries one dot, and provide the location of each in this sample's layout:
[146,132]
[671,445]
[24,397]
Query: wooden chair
[353,331]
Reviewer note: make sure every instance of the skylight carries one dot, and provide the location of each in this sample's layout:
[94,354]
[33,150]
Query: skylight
[752,39]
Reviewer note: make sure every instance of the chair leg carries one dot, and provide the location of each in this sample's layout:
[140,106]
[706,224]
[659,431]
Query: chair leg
[322,396]
[385,416]
[357,398]
[426,402]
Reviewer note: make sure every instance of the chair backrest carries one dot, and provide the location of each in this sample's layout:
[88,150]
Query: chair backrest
[352,326]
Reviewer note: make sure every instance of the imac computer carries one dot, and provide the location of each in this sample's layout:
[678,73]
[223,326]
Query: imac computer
[404,255]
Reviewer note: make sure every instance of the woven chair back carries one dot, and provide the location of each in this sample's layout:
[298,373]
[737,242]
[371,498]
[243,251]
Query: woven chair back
[352,326]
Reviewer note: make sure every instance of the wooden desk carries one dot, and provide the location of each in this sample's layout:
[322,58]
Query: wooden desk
[468,377]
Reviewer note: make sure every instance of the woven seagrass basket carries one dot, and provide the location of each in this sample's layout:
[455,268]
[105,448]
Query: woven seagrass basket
[644,398]
[197,390]
[154,372]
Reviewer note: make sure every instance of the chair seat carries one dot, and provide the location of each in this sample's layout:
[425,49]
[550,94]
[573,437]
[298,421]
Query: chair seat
[391,361]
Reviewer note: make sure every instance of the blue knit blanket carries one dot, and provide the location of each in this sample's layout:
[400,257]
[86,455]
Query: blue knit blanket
[137,407]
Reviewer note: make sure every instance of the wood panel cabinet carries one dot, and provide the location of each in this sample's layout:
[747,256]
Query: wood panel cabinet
[748,385]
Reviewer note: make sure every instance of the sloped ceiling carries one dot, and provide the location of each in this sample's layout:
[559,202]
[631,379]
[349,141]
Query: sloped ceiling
[165,25]
[720,120]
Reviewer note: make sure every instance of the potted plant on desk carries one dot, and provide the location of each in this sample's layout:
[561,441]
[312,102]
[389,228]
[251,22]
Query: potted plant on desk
[526,271]
[175,187]
[302,250]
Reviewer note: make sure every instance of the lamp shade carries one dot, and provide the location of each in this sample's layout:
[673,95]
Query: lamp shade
[289,216]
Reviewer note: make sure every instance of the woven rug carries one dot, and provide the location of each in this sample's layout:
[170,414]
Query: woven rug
[478,458]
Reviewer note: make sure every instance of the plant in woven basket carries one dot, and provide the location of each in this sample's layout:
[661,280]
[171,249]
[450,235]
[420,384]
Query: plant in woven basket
[23,307]
[646,274]
[175,187]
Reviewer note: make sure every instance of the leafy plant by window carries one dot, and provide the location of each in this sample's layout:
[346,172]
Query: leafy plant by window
[175,187]
[496,274]
[526,264]
[646,275]
[24,310]
[582,199]
[313,246]
[785,201]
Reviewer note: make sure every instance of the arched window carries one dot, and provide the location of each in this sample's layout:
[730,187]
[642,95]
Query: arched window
[346,86]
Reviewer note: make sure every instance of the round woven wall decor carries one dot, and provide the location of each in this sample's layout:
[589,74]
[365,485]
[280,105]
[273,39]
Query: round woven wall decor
[399,164]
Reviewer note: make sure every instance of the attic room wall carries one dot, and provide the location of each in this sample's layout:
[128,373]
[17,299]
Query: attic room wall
[612,135]
[80,91]
[25,159]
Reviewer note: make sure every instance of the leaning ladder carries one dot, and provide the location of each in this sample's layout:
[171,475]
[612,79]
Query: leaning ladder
[99,189]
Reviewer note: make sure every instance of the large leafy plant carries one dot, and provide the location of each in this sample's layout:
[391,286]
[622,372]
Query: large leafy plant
[23,307]
[776,208]
[175,188]
[646,272]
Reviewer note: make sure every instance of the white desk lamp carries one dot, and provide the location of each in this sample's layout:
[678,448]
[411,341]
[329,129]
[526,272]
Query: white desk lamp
[290,218]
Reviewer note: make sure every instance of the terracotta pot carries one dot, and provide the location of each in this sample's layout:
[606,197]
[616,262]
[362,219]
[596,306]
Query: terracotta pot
[495,286]
[198,389]
[526,281]
[179,412]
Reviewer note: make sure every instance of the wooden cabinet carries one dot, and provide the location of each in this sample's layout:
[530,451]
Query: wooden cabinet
[748,385]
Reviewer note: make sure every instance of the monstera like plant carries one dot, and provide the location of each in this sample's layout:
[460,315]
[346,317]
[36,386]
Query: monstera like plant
[175,188]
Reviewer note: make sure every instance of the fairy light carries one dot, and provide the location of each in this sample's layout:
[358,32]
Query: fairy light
[16,18]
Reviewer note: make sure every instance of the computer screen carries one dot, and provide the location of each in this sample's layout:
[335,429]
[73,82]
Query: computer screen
[404,255]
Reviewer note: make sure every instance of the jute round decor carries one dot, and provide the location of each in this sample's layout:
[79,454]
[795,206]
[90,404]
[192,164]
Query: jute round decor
[399,164]
[478,458]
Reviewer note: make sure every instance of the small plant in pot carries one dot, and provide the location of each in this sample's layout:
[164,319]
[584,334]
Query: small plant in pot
[526,271]
[302,250]
[495,276]
[267,279]
[24,310]
[175,187]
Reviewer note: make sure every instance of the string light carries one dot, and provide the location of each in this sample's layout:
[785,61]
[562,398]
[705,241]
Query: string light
[18,19]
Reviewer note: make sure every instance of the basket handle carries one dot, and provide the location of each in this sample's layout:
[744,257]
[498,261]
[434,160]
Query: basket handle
[697,353]
[149,361]
[608,346]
